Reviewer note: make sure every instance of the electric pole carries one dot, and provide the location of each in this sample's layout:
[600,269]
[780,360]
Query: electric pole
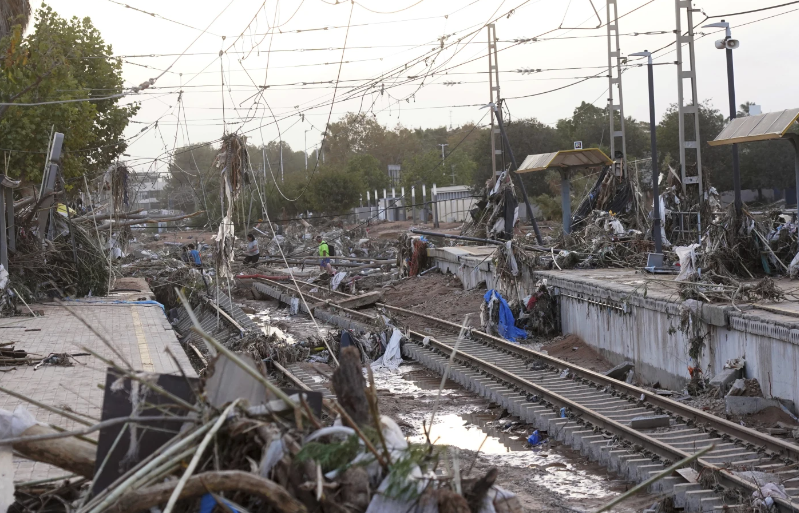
[442,153]
[614,79]
[493,83]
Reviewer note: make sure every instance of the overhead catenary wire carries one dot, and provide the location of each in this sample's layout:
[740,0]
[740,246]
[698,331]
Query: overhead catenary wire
[750,11]
[315,106]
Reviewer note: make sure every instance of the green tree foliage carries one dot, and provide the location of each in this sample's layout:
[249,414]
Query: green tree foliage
[527,137]
[192,184]
[716,161]
[61,60]
[354,134]
[368,172]
[766,164]
[334,192]
[591,125]
[14,12]
[358,151]
[428,169]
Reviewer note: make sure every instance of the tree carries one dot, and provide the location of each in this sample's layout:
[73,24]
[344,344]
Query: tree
[193,182]
[334,192]
[61,60]
[355,133]
[766,164]
[428,169]
[14,12]
[527,137]
[716,160]
[591,125]
[368,172]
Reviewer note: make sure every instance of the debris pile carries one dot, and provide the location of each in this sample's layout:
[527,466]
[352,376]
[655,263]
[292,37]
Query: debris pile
[236,440]
[70,263]
[497,213]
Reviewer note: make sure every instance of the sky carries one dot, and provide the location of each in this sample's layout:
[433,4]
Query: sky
[221,54]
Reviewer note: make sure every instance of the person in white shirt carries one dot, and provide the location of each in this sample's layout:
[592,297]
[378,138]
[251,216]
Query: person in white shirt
[251,254]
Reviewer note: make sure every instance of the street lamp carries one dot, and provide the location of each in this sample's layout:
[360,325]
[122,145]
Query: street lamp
[729,44]
[656,232]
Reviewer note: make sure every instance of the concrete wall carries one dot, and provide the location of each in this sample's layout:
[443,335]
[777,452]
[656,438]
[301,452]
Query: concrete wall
[623,325]
[647,332]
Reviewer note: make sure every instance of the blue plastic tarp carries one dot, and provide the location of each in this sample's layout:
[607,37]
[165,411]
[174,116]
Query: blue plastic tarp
[507,327]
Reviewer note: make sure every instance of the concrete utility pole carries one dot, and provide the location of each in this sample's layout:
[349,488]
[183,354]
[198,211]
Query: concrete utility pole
[493,85]
[434,197]
[614,62]
[442,153]
[413,203]
[691,107]
[305,150]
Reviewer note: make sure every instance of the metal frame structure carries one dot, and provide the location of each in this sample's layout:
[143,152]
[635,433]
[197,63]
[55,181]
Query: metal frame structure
[693,107]
[770,126]
[566,161]
[8,232]
[614,52]
[48,187]
[493,83]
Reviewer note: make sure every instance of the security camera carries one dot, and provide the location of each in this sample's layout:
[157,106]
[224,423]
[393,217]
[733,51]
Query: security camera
[732,44]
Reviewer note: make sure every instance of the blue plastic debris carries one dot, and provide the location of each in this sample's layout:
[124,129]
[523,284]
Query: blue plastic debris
[507,328]
[208,502]
[563,413]
[534,439]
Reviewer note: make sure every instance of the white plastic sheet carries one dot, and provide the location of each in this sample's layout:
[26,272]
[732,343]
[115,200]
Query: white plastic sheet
[337,279]
[793,268]
[392,357]
[12,425]
[687,256]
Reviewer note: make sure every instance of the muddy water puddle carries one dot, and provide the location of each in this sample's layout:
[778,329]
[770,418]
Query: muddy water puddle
[468,422]
[551,476]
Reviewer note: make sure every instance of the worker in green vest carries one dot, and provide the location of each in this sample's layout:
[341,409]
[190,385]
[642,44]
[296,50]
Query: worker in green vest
[324,251]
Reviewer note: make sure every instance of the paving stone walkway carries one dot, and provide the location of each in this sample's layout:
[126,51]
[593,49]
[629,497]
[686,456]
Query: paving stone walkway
[140,333]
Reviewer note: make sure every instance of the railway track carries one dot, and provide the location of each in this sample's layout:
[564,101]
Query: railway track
[592,413]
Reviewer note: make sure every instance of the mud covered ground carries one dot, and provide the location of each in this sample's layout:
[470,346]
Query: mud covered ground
[436,294]
[574,350]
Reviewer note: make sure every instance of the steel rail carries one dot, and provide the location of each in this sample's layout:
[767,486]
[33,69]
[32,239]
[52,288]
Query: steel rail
[647,443]
[688,413]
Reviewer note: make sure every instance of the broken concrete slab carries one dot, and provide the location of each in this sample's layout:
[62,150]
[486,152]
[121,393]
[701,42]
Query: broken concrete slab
[714,315]
[620,371]
[739,405]
[724,379]
[738,388]
[650,422]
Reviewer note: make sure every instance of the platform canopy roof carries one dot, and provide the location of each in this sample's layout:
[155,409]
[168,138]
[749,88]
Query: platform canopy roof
[565,159]
[772,125]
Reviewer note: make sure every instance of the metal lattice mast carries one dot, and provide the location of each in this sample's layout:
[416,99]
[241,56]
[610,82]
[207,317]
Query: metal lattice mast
[614,79]
[493,82]
[691,108]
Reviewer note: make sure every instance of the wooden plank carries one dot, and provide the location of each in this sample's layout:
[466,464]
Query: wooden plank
[360,301]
